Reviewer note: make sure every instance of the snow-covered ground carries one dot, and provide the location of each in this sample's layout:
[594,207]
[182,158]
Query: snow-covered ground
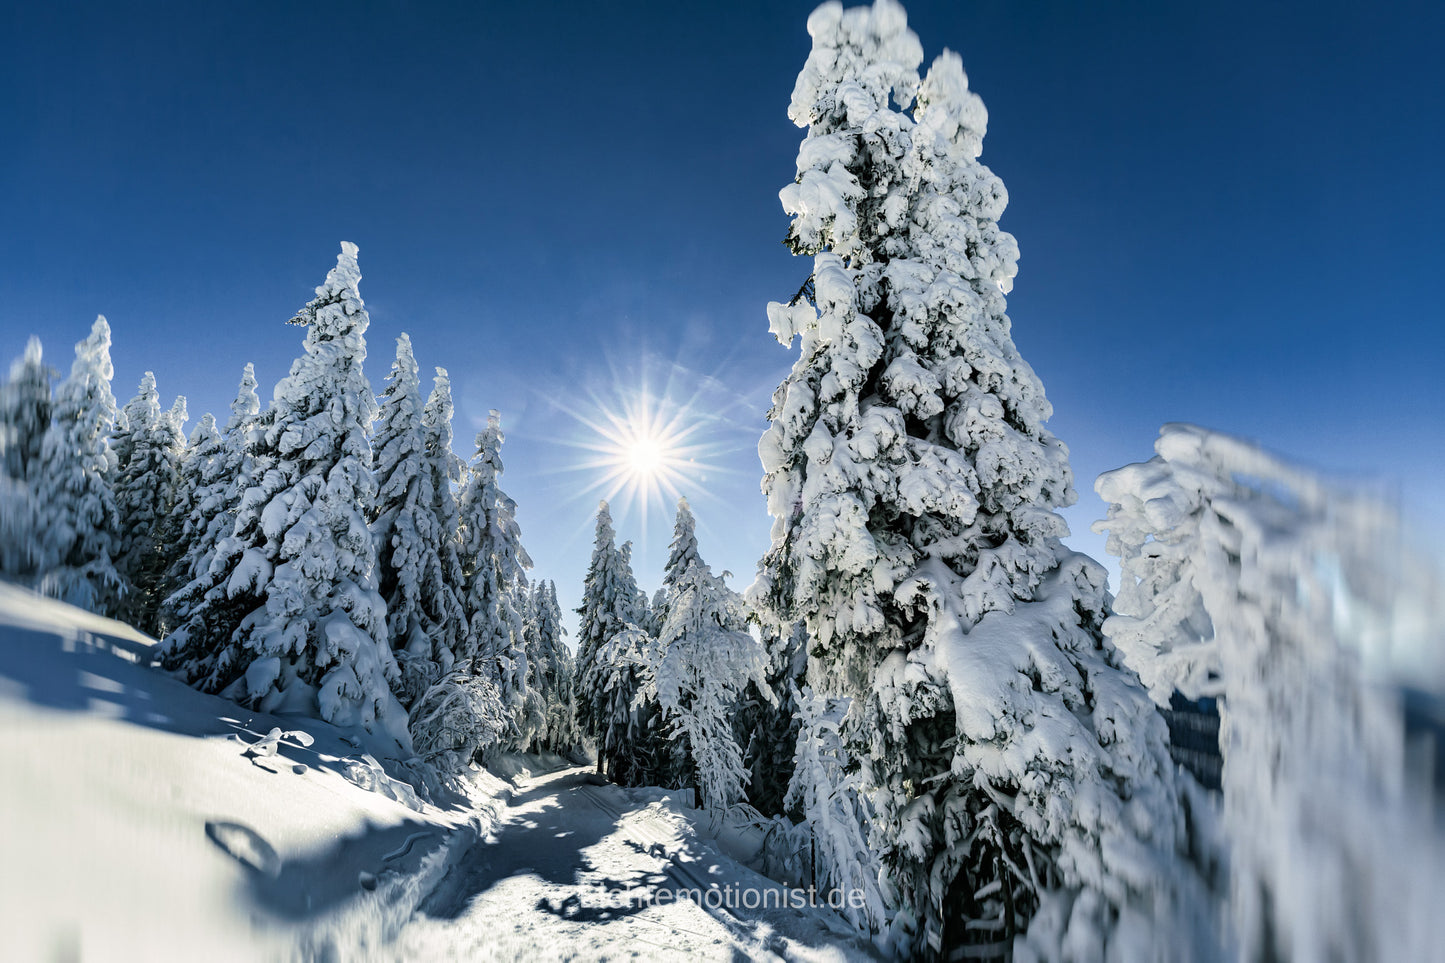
[136,823]
[580,869]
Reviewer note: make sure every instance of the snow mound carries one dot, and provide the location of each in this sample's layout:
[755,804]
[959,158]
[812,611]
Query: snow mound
[148,821]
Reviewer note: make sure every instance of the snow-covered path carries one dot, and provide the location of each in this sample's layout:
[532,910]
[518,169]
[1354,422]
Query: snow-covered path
[575,869]
[140,820]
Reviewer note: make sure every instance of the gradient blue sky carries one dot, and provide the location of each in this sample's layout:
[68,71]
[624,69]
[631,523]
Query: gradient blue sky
[1229,213]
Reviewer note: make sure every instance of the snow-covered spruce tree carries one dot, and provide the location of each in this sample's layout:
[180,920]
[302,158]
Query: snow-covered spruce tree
[202,449]
[1012,777]
[768,720]
[550,672]
[446,470]
[610,606]
[656,611]
[617,688]
[173,532]
[423,611]
[641,607]
[200,613]
[675,767]
[681,555]
[493,562]
[706,658]
[76,530]
[1253,580]
[318,640]
[148,445]
[605,610]
[458,719]
[25,402]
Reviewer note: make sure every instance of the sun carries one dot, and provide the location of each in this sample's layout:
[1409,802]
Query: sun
[653,432]
[644,452]
[643,449]
[645,456]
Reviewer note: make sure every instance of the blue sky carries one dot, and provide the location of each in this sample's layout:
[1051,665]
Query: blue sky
[1229,213]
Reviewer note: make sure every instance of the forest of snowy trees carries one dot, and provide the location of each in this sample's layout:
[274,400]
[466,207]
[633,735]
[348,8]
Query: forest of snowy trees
[932,702]
[328,555]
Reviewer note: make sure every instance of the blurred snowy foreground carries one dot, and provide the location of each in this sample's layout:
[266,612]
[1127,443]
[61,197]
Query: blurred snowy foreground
[144,820]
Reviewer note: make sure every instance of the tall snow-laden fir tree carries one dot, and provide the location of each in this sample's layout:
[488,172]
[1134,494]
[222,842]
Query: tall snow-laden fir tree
[446,470]
[656,611]
[316,639]
[1251,579]
[706,658]
[615,694]
[1012,776]
[25,402]
[609,606]
[599,611]
[148,444]
[136,420]
[398,525]
[550,671]
[681,554]
[201,613]
[76,529]
[493,564]
[422,606]
[197,459]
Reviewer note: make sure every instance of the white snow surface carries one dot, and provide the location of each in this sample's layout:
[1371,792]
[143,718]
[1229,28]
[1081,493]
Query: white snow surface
[145,820]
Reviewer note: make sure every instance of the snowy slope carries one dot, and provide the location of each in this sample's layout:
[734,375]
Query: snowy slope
[124,794]
[138,824]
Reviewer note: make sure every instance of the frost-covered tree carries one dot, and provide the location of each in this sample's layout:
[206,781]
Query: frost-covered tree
[458,719]
[202,449]
[1012,776]
[1253,580]
[768,720]
[148,444]
[200,613]
[617,690]
[424,613]
[462,716]
[550,672]
[316,639]
[196,458]
[402,522]
[706,658]
[446,471]
[827,788]
[25,402]
[609,604]
[641,608]
[681,555]
[136,420]
[656,611]
[76,530]
[493,564]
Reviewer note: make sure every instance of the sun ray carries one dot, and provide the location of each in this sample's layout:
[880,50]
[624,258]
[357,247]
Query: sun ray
[649,434]
[644,452]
